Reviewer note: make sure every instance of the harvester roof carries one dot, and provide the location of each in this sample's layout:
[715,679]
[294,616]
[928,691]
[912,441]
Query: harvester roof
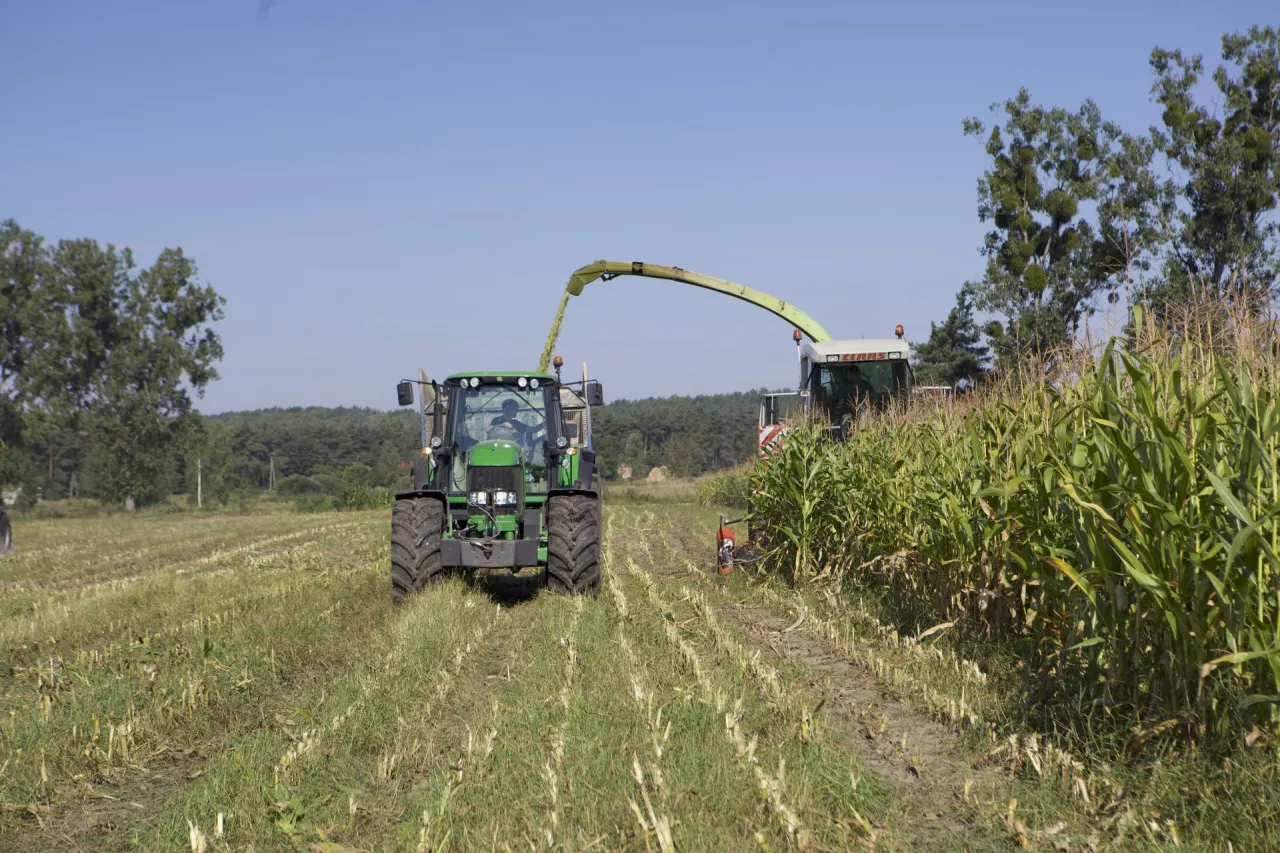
[870,349]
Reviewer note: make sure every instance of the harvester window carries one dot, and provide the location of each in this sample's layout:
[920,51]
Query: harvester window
[848,388]
[776,408]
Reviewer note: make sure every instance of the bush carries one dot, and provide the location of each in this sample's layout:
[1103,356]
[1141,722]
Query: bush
[728,488]
[330,484]
[296,484]
[314,503]
[366,497]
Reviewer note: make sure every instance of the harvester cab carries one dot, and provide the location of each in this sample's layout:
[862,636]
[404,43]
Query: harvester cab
[839,381]
[505,479]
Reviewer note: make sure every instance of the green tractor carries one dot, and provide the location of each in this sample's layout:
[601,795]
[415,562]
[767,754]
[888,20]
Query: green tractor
[506,479]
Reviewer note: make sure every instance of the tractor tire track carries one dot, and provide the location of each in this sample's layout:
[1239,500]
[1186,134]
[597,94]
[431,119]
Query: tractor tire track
[939,789]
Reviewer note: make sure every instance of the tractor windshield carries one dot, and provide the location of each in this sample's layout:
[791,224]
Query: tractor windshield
[848,389]
[492,412]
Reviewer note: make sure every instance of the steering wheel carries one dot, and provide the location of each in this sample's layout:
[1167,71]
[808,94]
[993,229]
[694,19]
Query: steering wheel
[501,432]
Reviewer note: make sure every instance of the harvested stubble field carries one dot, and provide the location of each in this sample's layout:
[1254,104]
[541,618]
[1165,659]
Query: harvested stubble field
[245,683]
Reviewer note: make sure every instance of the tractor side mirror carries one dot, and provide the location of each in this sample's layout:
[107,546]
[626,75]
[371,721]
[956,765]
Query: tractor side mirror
[404,392]
[595,394]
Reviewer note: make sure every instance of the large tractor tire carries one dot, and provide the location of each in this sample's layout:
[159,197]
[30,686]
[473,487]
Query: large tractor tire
[6,533]
[417,526]
[573,545]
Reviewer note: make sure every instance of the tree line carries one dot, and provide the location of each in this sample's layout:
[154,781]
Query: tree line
[1082,211]
[687,435]
[328,451]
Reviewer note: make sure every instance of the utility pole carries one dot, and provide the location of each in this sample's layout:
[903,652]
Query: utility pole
[272,486]
[199,483]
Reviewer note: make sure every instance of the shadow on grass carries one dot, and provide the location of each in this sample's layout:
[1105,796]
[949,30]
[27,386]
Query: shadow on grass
[508,588]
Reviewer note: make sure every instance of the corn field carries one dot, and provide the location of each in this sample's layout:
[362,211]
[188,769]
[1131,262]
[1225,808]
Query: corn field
[1114,517]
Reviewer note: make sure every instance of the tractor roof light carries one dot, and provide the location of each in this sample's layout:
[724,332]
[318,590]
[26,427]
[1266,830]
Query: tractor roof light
[533,383]
[522,382]
[796,336]
[475,381]
[897,330]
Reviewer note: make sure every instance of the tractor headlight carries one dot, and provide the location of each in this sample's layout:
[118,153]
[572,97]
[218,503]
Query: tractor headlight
[504,498]
[562,442]
[479,498]
[522,382]
[436,441]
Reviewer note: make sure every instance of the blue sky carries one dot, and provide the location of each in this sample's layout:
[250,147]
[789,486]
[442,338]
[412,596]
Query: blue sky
[377,186]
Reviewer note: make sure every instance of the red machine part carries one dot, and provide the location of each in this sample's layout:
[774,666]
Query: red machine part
[724,550]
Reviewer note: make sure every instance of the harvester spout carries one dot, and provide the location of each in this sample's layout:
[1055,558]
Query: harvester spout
[606,270]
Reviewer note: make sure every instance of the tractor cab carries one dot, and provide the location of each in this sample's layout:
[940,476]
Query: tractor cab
[497,420]
[511,419]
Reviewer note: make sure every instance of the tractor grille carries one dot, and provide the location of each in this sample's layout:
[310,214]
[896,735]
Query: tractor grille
[493,479]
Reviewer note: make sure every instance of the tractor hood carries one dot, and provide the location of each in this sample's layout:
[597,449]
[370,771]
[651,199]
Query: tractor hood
[488,454]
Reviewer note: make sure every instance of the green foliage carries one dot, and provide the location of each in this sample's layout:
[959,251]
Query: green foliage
[728,488]
[681,456]
[146,340]
[297,484]
[1118,529]
[26,312]
[314,503]
[211,457]
[356,496]
[1224,171]
[954,351]
[690,435]
[1046,258]
[101,358]
[339,442]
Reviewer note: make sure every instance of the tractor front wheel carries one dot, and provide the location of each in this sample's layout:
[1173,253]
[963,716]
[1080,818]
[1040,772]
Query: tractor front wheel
[573,545]
[417,526]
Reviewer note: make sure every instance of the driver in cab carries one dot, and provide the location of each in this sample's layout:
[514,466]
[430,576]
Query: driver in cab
[507,420]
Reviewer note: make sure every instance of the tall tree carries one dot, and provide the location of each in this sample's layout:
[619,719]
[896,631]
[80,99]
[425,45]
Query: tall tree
[954,352]
[1224,171]
[680,455]
[27,312]
[1071,199]
[155,346]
